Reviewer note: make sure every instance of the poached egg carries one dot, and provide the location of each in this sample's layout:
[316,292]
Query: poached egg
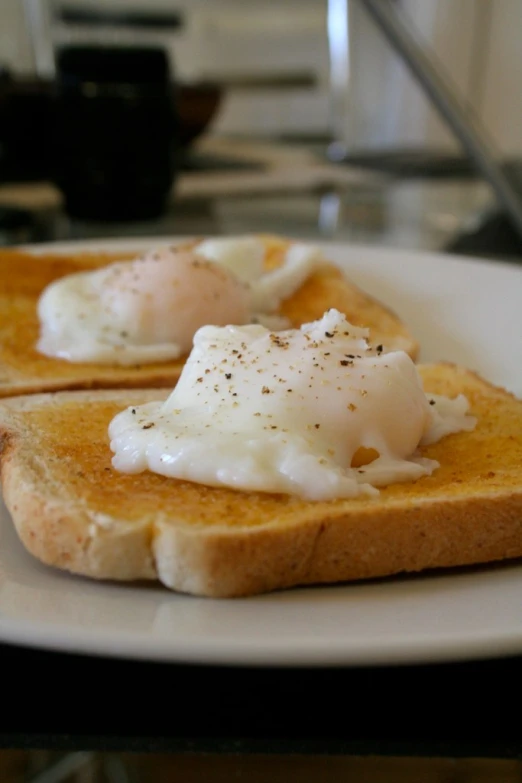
[148,309]
[315,412]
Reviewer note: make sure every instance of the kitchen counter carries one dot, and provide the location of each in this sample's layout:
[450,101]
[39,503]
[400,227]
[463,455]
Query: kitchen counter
[281,189]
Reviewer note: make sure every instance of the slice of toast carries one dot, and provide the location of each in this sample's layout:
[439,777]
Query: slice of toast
[24,276]
[72,510]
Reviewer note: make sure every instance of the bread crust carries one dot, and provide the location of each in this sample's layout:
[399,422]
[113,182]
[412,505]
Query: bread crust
[23,277]
[471,513]
[343,549]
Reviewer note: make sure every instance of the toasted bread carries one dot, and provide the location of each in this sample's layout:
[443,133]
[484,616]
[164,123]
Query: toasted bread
[72,510]
[24,276]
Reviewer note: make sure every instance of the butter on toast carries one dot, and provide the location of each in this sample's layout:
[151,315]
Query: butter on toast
[23,276]
[72,510]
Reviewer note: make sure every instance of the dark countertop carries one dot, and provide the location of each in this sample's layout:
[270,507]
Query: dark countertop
[74,702]
[277,188]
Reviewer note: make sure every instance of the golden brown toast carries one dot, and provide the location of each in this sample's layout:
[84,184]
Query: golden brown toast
[72,510]
[24,276]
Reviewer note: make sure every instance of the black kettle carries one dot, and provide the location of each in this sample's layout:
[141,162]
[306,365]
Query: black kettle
[115,137]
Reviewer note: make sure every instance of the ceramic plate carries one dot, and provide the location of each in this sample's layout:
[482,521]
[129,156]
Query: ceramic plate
[465,311]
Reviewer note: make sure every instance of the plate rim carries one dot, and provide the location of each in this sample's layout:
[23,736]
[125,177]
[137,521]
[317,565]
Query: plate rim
[64,246]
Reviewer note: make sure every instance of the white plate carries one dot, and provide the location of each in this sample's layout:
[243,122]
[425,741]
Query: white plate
[465,311]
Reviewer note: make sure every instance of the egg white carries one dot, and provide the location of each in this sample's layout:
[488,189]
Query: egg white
[288,412]
[148,309]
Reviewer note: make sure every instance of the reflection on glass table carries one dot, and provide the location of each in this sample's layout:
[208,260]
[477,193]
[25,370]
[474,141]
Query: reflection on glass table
[49,767]
[412,214]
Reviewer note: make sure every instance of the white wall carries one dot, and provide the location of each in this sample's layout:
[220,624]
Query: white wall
[15,49]
[477,46]
[476,41]
[501,101]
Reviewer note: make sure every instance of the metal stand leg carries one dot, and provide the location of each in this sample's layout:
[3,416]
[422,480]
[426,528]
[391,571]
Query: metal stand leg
[467,129]
[436,87]
[62,769]
[98,768]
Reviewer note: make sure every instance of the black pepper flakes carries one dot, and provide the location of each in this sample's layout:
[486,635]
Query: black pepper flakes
[228,375]
[432,402]
[278,341]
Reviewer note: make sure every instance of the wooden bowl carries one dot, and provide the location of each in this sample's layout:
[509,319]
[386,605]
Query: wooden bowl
[197,107]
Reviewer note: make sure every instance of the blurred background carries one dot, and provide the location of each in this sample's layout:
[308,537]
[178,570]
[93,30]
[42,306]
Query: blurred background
[154,117]
[127,118]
